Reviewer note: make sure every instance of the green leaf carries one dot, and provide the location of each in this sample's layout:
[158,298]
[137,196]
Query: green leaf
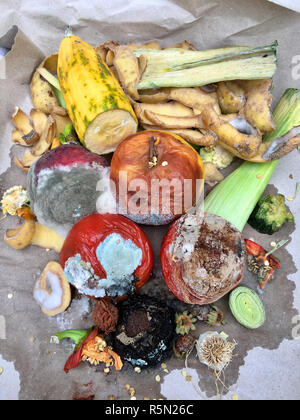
[78,336]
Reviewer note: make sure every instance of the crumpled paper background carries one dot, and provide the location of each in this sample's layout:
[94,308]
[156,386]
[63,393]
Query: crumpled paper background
[267,363]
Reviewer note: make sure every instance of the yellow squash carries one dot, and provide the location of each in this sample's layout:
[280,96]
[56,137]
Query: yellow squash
[98,107]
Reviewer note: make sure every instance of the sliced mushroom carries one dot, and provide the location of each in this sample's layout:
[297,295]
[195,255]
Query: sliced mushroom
[52,291]
[31,138]
[46,139]
[21,121]
[16,137]
[21,237]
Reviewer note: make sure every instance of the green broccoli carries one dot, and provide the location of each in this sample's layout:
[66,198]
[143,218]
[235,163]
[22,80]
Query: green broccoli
[270,214]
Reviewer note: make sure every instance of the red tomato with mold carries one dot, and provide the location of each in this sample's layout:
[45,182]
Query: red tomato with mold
[85,237]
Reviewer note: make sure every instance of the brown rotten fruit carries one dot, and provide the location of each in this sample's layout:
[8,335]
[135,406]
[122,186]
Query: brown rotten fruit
[157,177]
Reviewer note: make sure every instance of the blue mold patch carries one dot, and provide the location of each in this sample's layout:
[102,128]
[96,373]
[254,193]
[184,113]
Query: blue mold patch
[119,258]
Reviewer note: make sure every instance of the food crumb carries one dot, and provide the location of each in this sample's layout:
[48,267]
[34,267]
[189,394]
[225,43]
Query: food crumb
[1,370]
[133,398]
[137,369]
[106,370]
[127,387]
[164,366]
[10,296]
[183,373]
[157,378]
[290,198]
[31,340]
[235,397]
[111,397]
[188,378]
[259,176]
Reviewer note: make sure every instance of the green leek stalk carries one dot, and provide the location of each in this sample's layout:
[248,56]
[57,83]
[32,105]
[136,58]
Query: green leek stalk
[236,196]
[53,80]
[176,67]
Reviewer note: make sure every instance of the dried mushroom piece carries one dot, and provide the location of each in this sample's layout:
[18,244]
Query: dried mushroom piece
[16,137]
[23,125]
[52,291]
[47,136]
[21,237]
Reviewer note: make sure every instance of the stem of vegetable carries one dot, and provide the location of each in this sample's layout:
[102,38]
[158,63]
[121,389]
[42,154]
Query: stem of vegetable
[54,84]
[236,196]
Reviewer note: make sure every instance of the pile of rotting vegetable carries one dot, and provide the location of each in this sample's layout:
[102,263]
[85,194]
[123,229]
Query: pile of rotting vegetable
[151,114]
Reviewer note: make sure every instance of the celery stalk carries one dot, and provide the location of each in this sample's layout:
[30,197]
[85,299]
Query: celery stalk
[236,196]
[176,67]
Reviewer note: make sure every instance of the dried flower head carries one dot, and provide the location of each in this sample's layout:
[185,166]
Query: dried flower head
[185,323]
[13,199]
[215,317]
[105,316]
[215,351]
[184,345]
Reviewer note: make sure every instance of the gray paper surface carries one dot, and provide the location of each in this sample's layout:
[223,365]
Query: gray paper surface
[266,365]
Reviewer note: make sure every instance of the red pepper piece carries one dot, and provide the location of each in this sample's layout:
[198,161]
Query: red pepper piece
[75,358]
[260,254]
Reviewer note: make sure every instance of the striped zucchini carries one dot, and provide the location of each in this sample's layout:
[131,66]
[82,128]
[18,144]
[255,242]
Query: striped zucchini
[101,113]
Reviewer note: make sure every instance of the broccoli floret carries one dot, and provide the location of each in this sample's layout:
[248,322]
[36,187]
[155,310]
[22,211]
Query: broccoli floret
[270,214]
[217,155]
